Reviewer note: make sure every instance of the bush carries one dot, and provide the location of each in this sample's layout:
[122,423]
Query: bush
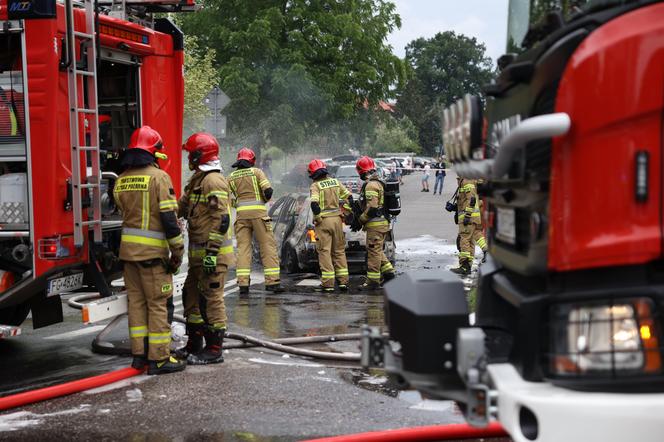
[273,152]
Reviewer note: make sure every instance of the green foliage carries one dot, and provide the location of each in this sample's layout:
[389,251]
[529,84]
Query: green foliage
[273,152]
[200,76]
[298,70]
[395,136]
[444,69]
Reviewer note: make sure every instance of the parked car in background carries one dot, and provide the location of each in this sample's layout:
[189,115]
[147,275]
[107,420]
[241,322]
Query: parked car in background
[349,177]
[292,223]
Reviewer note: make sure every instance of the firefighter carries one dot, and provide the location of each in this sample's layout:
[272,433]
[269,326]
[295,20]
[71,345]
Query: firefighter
[251,190]
[145,195]
[470,225]
[206,205]
[375,223]
[326,194]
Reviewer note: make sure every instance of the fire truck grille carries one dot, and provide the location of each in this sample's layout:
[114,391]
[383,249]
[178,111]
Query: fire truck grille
[13,213]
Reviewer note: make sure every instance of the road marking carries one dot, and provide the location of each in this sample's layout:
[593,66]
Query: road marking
[76,333]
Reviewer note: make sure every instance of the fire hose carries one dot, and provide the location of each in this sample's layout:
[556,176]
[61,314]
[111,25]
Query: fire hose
[430,433]
[42,394]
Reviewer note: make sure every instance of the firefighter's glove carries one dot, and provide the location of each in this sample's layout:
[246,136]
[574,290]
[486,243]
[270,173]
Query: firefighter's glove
[356,226]
[473,201]
[210,263]
[466,219]
[373,212]
[349,219]
[174,263]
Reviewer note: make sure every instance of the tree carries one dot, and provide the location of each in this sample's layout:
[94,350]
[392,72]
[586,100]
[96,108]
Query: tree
[298,69]
[200,76]
[444,69]
[394,135]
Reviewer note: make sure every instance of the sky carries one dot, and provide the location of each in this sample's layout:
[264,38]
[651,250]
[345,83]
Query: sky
[485,20]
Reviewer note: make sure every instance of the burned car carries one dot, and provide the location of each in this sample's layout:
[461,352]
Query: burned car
[293,227]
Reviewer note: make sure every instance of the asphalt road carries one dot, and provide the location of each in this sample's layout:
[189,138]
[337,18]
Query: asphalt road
[256,394]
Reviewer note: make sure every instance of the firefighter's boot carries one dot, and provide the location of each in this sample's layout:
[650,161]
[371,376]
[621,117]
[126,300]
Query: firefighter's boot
[169,365]
[369,285]
[463,269]
[195,341]
[139,362]
[275,288]
[213,351]
[389,276]
[323,289]
[343,287]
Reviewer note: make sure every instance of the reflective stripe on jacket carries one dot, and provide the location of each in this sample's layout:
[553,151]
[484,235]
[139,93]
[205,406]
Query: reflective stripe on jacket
[247,187]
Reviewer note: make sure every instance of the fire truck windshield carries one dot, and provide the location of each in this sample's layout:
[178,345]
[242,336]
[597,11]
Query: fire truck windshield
[528,24]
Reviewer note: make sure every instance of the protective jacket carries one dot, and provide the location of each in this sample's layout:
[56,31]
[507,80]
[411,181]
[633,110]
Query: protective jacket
[373,197]
[206,206]
[248,187]
[146,197]
[469,202]
[328,193]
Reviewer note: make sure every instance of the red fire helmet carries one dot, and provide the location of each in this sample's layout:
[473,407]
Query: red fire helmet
[202,148]
[146,138]
[246,154]
[365,165]
[315,165]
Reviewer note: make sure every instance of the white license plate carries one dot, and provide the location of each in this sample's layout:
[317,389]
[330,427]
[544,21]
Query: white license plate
[64,284]
[505,226]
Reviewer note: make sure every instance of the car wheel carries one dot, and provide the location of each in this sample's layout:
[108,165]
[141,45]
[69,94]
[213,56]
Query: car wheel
[14,315]
[292,263]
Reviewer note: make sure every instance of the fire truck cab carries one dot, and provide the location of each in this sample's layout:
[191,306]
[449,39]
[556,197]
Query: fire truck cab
[75,80]
[568,337]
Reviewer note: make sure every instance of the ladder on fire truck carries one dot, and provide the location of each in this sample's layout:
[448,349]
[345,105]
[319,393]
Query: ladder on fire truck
[84,123]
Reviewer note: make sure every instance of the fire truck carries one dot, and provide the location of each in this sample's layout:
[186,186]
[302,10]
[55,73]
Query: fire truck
[76,78]
[568,140]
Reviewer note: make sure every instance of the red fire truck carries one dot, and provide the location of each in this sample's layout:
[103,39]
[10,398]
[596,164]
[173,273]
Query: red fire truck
[568,342]
[75,80]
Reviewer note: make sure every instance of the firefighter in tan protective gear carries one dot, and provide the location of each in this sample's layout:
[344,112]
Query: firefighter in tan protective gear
[374,222]
[206,206]
[326,194]
[145,195]
[470,225]
[251,191]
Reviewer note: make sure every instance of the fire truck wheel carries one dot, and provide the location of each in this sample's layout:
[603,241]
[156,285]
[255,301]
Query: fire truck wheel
[14,315]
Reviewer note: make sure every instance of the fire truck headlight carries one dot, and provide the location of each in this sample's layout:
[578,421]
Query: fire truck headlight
[605,340]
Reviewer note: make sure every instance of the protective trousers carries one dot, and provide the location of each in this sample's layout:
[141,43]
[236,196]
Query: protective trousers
[468,236]
[331,247]
[207,289]
[262,229]
[377,262]
[478,237]
[149,288]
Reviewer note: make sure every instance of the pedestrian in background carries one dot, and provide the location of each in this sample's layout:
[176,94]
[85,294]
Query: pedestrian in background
[440,177]
[425,177]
